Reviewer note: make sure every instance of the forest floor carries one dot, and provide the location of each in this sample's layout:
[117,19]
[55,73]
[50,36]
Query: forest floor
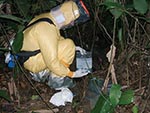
[26,100]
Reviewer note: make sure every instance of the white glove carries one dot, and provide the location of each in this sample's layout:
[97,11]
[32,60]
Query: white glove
[81,50]
[80,73]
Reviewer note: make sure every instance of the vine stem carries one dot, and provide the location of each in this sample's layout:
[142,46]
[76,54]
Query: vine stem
[111,61]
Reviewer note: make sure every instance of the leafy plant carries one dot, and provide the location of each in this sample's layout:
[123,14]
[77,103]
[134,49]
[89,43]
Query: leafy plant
[115,8]
[129,17]
[20,13]
[108,102]
[131,21]
[124,11]
[135,109]
[141,6]
[4,94]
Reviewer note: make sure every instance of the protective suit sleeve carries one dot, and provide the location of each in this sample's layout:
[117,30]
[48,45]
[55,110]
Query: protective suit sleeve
[47,38]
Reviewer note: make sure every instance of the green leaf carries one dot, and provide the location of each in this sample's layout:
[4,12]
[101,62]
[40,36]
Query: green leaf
[120,38]
[112,5]
[135,109]
[3,94]
[116,13]
[141,6]
[35,97]
[115,8]
[103,105]
[18,41]
[146,19]
[115,94]
[13,18]
[4,49]
[1,1]
[148,45]
[126,97]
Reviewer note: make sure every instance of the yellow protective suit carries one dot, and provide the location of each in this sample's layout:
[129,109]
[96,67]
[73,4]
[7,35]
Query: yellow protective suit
[56,53]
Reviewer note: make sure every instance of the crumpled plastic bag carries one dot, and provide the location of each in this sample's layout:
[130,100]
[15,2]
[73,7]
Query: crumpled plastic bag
[60,98]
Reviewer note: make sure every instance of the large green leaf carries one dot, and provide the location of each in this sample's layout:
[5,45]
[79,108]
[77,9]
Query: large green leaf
[135,109]
[18,41]
[141,6]
[4,94]
[115,94]
[115,8]
[13,18]
[116,13]
[103,105]
[112,4]
[126,97]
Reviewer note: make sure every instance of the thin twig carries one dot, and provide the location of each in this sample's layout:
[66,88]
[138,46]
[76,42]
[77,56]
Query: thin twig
[136,19]
[111,60]
[148,96]
[145,104]
[99,23]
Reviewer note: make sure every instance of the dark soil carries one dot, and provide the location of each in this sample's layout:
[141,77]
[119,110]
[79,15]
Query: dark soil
[131,75]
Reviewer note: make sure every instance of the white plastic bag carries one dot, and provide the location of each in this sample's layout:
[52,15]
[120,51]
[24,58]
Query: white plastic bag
[60,98]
